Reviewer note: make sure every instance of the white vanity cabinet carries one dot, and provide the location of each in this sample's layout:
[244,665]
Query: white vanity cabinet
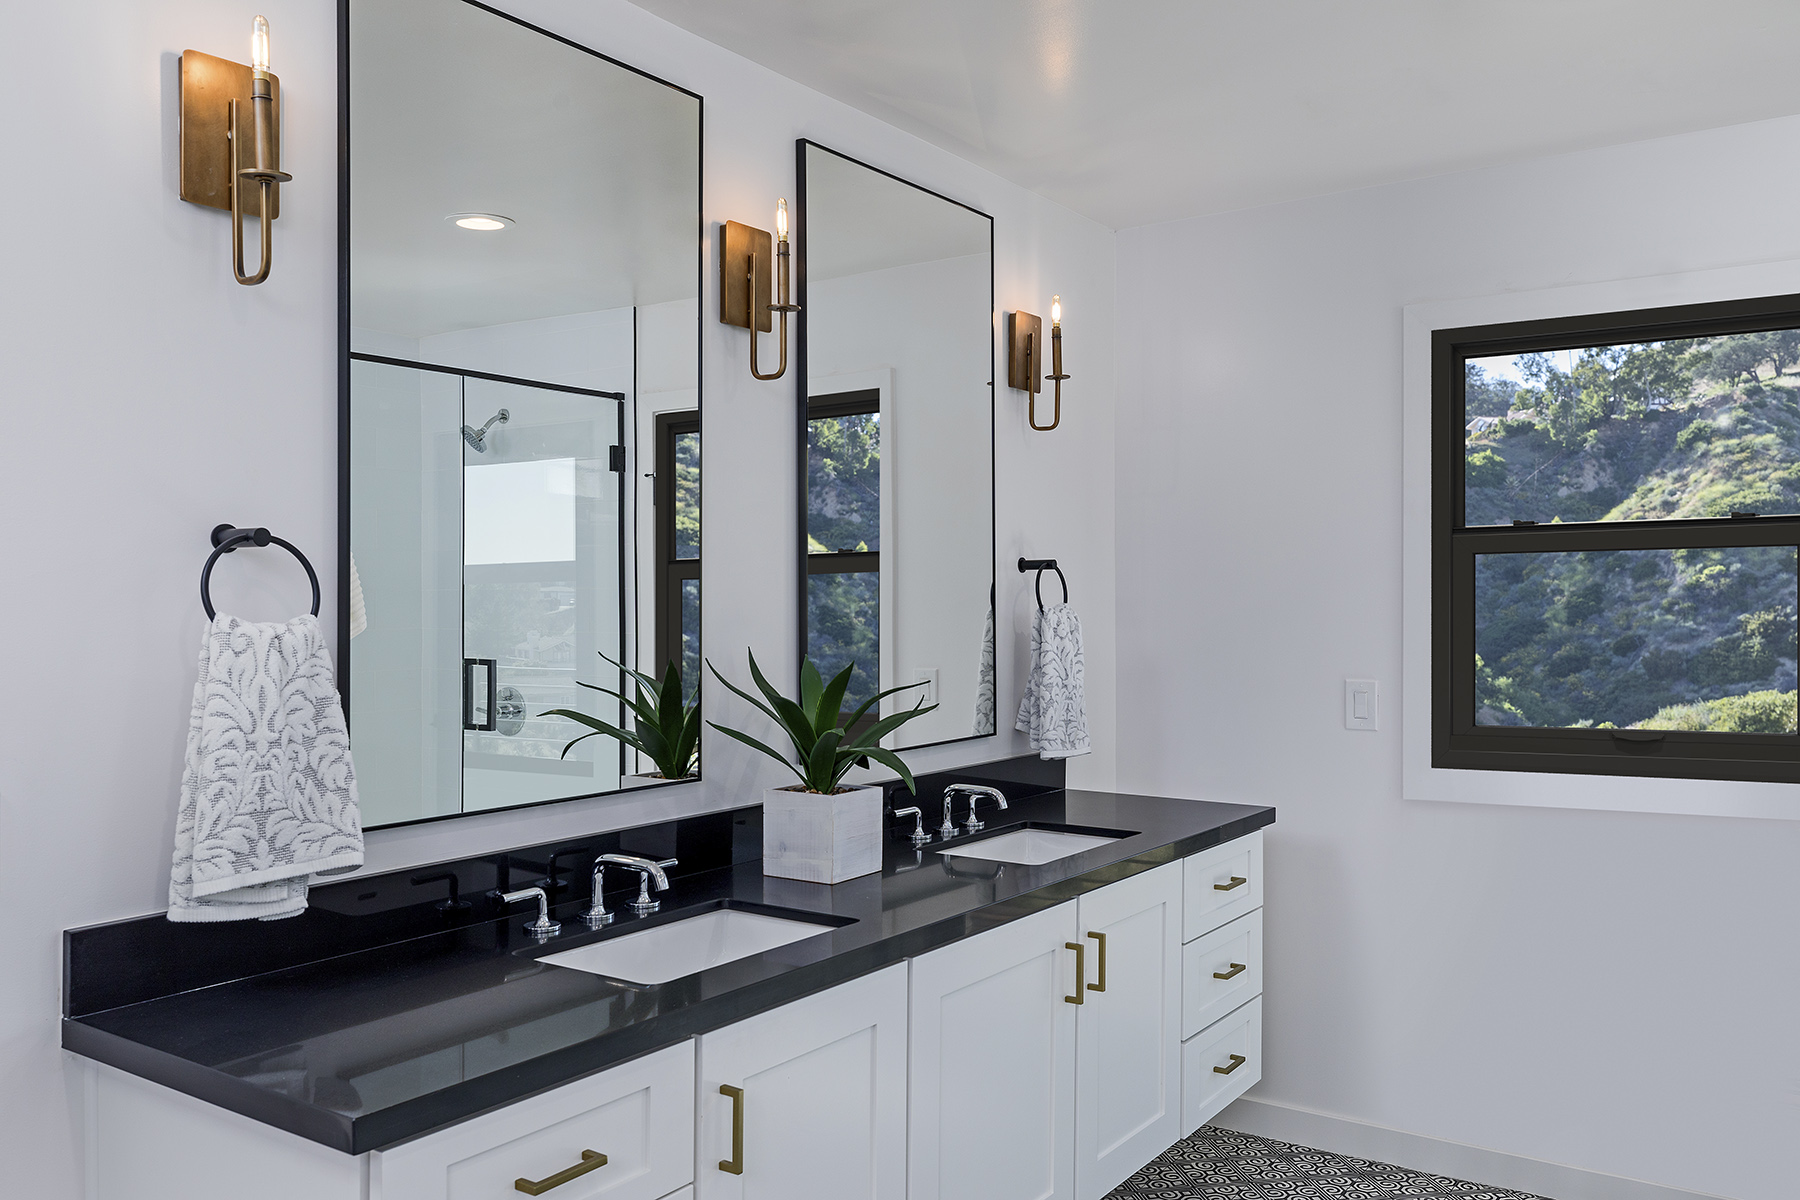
[808,1101]
[626,1133]
[1047,1058]
[1030,1081]
[1222,972]
[1127,1036]
[992,1098]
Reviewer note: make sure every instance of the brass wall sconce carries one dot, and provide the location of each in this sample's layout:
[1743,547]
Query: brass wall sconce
[1024,360]
[744,256]
[218,163]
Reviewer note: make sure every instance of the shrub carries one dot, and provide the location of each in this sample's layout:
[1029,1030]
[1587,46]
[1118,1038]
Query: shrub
[1697,434]
[1484,469]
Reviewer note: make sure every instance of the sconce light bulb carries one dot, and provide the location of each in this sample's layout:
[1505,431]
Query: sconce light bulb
[781,219]
[1055,311]
[259,43]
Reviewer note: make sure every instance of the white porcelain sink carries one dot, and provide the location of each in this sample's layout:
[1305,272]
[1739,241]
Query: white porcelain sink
[1029,847]
[683,947]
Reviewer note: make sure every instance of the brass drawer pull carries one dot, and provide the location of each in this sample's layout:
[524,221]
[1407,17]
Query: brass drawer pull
[1101,986]
[1236,968]
[735,1164]
[1237,1060]
[1080,996]
[591,1160]
[1237,881]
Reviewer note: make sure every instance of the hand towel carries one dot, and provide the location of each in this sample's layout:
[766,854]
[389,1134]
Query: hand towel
[984,687]
[359,613]
[268,793]
[1054,709]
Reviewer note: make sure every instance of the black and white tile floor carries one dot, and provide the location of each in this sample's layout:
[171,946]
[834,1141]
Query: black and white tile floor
[1218,1164]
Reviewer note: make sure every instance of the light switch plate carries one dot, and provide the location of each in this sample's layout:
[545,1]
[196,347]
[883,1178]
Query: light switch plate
[929,677]
[1362,704]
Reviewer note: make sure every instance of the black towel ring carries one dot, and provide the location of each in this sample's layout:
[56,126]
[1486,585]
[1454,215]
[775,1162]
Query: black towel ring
[1040,565]
[228,537]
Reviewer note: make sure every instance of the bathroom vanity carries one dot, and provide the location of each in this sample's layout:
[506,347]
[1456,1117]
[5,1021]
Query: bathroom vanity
[955,1026]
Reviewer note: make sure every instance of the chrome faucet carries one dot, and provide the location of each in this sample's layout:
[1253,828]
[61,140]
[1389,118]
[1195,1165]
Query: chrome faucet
[596,914]
[972,791]
[919,836]
[652,871]
[543,927]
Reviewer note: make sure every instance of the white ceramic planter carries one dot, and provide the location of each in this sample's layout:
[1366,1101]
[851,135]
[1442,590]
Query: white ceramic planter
[821,839]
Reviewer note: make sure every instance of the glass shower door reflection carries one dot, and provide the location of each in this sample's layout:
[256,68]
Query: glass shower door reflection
[542,596]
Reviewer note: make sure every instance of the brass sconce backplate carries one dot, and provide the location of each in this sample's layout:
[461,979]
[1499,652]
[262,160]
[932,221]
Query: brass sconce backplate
[736,300]
[208,84]
[1024,352]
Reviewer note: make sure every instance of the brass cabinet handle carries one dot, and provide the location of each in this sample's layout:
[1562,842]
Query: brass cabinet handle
[1237,1060]
[1235,969]
[1101,986]
[591,1160]
[1237,881]
[1080,973]
[735,1164]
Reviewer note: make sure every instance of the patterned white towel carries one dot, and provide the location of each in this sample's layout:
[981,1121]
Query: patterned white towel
[268,794]
[985,702]
[1054,709]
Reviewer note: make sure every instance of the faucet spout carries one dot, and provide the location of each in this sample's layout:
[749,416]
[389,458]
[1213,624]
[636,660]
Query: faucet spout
[972,791]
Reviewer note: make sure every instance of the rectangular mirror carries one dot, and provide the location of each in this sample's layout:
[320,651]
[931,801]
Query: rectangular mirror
[521,413]
[896,360]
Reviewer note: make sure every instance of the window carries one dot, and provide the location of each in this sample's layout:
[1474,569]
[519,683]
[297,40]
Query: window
[677,495]
[1615,535]
[843,538]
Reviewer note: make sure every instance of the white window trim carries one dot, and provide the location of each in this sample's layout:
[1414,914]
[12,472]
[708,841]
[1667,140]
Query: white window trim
[1422,781]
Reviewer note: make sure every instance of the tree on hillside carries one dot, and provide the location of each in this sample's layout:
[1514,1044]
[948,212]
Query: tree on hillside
[1742,355]
[1485,395]
[1657,371]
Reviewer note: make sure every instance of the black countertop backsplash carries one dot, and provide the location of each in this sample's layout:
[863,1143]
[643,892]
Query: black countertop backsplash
[383,1012]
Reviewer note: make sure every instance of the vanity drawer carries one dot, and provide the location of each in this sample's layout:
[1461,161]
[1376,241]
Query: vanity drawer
[640,1115]
[1234,951]
[1220,885]
[1211,1074]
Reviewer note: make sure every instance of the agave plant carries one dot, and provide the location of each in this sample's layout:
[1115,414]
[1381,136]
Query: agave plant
[664,729]
[824,749]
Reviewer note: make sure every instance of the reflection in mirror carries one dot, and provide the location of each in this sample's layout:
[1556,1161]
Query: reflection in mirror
[898,450]
[522,417]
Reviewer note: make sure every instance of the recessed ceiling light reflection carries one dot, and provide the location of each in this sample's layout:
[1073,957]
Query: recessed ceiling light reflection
[483,222]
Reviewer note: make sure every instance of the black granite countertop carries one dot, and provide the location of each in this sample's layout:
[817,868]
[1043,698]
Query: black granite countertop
[364,1049]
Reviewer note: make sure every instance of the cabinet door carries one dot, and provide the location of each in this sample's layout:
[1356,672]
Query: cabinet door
[993,1064]
[817,1107]
[1128,1035]
[638,1115]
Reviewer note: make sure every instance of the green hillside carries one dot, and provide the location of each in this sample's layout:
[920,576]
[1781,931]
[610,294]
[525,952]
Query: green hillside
[1683,639]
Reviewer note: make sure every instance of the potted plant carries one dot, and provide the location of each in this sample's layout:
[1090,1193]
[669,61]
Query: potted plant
[819,830]
[665,729]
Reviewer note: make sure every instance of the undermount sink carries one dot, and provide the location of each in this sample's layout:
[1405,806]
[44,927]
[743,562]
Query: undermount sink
[1032,846]
[687,945]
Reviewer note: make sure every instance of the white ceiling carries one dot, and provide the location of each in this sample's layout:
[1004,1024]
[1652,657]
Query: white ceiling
[453,109]
[1135,111]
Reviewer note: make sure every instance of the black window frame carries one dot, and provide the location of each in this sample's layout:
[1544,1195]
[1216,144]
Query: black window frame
[825,407]
[671,571]
[1456,741]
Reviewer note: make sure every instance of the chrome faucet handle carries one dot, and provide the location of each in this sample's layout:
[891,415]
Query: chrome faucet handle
[919,836]
[543,927]
[947,830]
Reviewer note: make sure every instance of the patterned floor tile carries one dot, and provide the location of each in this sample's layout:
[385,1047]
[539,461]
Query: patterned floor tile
[1223,1164]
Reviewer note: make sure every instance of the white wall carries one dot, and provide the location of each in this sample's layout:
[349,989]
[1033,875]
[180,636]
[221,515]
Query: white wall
[148,397]
[1607,990]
